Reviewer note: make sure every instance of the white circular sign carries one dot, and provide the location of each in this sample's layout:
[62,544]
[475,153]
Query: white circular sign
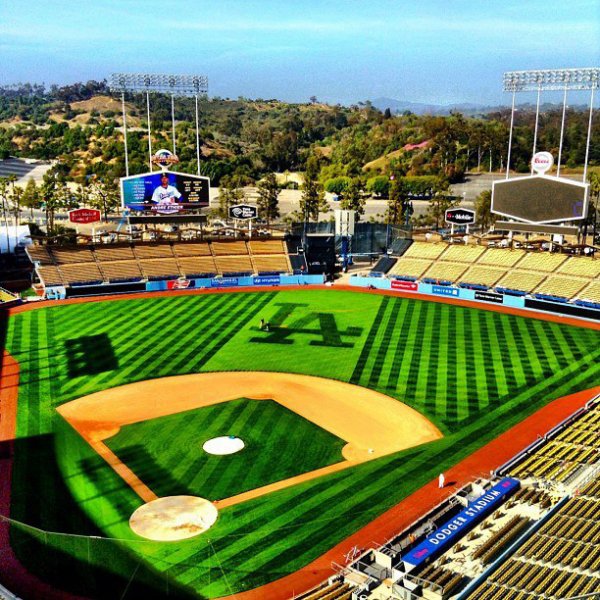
[542,162]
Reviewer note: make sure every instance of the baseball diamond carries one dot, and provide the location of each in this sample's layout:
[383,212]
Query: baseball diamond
[470,373]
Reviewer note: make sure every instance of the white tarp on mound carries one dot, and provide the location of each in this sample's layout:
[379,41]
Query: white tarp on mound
[13,236]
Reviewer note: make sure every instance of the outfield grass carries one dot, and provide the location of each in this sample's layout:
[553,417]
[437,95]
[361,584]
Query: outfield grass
[473,373]
[275,448]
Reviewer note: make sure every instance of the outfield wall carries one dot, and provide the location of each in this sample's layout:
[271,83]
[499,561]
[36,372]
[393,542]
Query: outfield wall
[485,297]
[228,282]
[60,292]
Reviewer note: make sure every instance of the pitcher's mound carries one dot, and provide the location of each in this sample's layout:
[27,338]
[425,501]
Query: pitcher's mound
[173,518]
[228,444]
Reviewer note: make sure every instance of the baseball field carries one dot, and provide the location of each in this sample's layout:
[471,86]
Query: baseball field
[469,374]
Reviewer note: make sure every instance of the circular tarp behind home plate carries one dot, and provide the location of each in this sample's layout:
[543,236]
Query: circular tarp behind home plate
[173,518]
[228,444]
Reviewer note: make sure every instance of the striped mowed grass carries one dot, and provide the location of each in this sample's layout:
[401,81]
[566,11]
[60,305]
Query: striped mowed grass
[166,453]
[473,373]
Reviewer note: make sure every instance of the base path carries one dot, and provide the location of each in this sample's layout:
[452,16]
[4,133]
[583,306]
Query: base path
[372,424]
[480,463]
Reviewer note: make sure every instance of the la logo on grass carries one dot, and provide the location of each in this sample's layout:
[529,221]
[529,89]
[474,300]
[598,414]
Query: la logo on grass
[284,328]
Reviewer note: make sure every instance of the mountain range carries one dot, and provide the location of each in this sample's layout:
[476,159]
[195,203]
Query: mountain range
[466,108]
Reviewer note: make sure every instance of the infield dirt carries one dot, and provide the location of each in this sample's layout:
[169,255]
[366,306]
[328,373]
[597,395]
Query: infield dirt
[372,424]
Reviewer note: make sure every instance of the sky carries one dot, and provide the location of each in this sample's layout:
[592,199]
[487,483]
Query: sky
[431,51]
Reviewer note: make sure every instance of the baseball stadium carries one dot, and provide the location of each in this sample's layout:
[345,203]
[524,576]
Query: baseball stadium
[225,417]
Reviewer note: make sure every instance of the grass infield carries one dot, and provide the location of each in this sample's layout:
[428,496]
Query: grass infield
[275,441]
[473,373]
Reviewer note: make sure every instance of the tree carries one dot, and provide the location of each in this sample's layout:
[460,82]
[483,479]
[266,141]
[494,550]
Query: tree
[483,208]
[438,206]
[101,196]
[4,199]
[15,196]
[397,202]
[230,193]
[268,197]
[31,196]
[379,186]
[353,198]
[312,201]
[55,196]
[338,185]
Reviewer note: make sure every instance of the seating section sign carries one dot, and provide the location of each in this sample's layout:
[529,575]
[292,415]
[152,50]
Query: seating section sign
[446,535]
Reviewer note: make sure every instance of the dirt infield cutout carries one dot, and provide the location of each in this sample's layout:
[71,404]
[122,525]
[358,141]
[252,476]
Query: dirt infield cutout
[372,424]
[173,518]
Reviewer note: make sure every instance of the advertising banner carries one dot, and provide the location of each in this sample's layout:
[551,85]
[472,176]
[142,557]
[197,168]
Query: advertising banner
[224,282]
[180,284]
[489,297]
[267,280]
[460,216]
[243,211]
[446,535]
[164,193]
[443,290]
[410,286]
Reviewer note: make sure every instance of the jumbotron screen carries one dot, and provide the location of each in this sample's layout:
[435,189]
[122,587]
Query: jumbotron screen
[164,193]
[539,199]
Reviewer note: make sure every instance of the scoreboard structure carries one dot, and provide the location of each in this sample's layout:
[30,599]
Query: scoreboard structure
[540,199]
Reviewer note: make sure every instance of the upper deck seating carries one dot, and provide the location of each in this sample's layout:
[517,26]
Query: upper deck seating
[63,256]
[39,254]
[580,266]
[410,267]
[229,248]
[565,287]
[267,247]
[524,281]
[81,273]
[153,251]
[160,267]
[197,265]
[445,271]
[591,292]
[234,264]
[426,250]
[107,253]
[500,257]
[274,263]
[482,275]
[50,275]
[121,270]
[462,253]
[192,249]
[542,261]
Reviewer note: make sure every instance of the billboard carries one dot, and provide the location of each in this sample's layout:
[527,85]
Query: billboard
[84,215]
[164,193]
[540,199]
[460,216]
[243,211]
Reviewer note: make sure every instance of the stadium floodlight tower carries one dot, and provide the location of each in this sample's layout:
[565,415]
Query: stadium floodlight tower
[552,79]
[175,85]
